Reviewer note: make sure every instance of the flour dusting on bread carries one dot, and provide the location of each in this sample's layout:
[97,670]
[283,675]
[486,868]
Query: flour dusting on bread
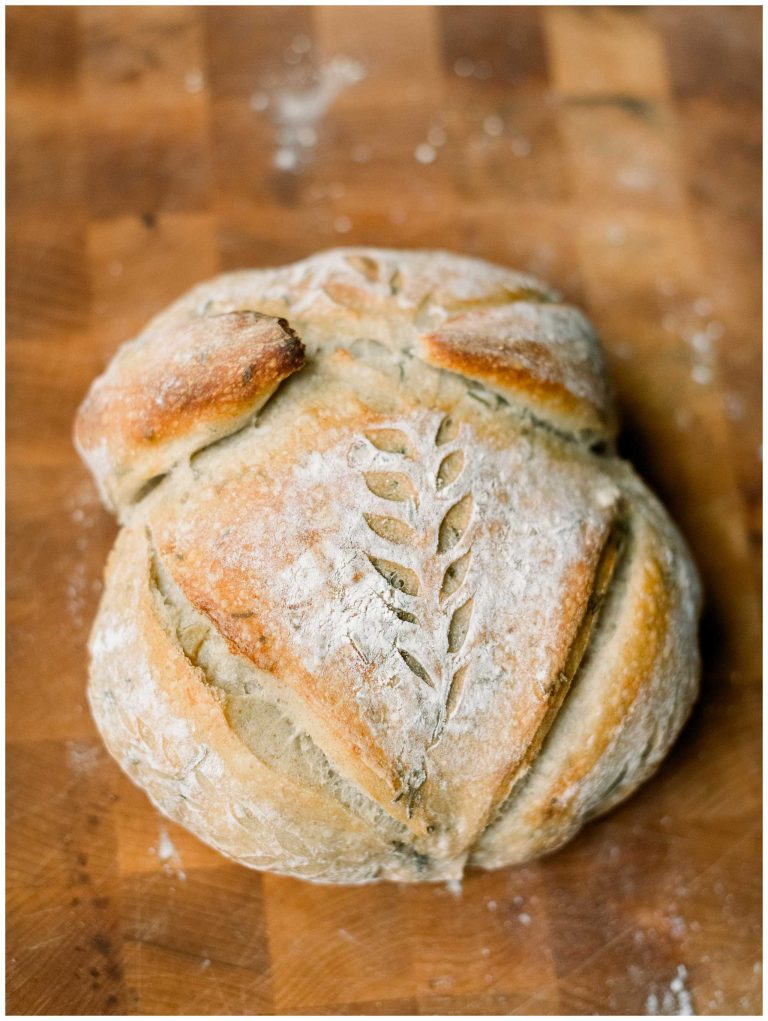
[384,601]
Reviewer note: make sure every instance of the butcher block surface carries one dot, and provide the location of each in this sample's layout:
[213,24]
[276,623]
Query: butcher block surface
[613,151]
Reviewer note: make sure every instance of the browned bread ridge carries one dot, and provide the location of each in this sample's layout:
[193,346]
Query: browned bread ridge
[385,602]
[162,399]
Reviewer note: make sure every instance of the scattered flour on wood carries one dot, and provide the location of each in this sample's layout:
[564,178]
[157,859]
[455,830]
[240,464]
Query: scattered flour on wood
[297,101]
[465,67]
[348,937]
[76,590]
[442,982]
[82,757]
[635,178]
[342,224]
[675,1000]
[694,325]
[194,81]
[454,887]
[168,856]
[425,153]
[83,506]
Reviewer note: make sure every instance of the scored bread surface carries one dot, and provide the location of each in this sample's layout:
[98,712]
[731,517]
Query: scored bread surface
[385,602]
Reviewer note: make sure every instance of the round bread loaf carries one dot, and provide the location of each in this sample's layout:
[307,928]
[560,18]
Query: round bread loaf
[385,603]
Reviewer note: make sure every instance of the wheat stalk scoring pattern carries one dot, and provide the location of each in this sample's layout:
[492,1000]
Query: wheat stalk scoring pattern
[423,551]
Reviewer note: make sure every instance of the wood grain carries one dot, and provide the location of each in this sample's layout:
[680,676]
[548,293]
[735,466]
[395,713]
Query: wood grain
[616,151]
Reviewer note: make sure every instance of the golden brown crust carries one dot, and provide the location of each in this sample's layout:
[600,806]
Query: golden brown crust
[202,540]
[381,610]
[623,714]
[166,396]
[544,356]
[167,726]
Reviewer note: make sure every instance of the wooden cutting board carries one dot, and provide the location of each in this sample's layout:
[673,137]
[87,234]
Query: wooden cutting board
[616,152]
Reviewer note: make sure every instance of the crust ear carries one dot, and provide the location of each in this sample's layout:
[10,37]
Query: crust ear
[171,393]
[544,357]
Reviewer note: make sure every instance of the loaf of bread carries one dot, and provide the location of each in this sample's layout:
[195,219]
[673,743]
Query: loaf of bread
[385,603]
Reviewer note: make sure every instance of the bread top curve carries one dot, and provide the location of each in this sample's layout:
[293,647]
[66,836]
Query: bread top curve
[207,364]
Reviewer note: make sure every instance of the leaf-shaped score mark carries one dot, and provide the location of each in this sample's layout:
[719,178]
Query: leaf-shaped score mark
[451,703]
[436,581]
[457,629]
[391,441]
[415,667]
[454,524]
[392,529]
[398,577]
[454,575]
[447,430]
[450,469]
[366,266]
[395,486]
[457,689]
